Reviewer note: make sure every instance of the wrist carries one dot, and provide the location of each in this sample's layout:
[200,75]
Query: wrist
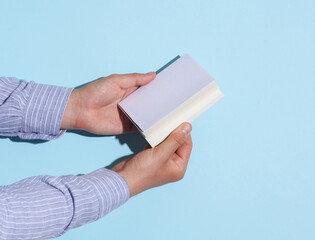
[72,110]
[132,180]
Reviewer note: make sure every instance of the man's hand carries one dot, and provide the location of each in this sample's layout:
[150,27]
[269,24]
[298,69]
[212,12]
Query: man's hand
[94,107]
[163,164]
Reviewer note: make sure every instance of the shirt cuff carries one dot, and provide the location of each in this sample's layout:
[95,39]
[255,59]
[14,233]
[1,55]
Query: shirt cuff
[111,189]
[43,113]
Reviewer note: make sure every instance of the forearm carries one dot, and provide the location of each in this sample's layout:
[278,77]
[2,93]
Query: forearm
[48,206]
[30,110]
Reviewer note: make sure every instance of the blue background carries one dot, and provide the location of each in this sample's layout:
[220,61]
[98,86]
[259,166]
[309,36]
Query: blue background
[252,169]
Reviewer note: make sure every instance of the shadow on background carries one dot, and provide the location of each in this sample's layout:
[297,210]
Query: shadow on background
[17,139]
[134,141]
[86,134]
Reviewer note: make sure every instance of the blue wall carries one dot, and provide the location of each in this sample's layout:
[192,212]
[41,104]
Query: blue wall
[252,170]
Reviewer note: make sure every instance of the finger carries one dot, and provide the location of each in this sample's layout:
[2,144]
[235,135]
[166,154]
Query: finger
[128,91]
[176,139]
[184,151]
[134,79]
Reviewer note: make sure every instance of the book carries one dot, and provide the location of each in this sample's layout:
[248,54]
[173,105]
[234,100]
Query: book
[181,91]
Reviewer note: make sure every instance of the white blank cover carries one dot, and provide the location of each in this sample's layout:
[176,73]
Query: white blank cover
[171,88]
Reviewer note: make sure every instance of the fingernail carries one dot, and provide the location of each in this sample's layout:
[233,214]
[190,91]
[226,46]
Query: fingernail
[149,73]
[186,129]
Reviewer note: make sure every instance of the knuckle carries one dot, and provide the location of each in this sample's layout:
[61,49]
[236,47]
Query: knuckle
[114,75]
[177,176]
[135,75]
[179,138]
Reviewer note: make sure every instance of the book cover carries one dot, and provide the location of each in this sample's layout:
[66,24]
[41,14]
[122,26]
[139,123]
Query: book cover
[178,84]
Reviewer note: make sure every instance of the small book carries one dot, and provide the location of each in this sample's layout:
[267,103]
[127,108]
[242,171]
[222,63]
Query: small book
[181,91]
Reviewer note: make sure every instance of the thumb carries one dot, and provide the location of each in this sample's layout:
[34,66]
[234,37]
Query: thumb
[134,79]
[176,139]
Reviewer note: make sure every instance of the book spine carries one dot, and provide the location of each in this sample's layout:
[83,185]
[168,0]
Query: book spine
[187,112]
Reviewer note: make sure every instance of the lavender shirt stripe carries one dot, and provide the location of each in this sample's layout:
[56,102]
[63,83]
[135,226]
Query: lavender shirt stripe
[44,207]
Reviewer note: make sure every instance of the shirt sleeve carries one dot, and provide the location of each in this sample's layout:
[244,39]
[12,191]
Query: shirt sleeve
[45,207]
[30,110]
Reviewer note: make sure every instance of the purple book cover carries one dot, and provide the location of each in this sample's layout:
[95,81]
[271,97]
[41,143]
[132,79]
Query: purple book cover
[171,87]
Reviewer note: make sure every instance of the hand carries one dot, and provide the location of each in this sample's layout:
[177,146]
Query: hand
[156,166]
[94,107]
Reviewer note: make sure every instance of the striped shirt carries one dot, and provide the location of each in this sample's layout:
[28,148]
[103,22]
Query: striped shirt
[44,207]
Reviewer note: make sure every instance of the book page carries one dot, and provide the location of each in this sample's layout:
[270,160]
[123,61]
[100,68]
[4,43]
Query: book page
[187,112]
